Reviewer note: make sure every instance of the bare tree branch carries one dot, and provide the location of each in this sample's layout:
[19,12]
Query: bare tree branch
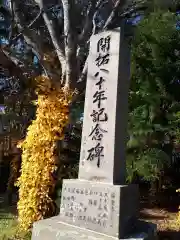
[65,46]
[29,35]
[14,69]
[52,31]
[107,23]
[88,22]
[134,8]
[84,72]
[33,40]
[99,5]
[27,27]
[111,16]
[25,67]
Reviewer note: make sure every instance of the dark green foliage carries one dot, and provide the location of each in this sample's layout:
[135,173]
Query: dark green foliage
[5,23]
[154,96]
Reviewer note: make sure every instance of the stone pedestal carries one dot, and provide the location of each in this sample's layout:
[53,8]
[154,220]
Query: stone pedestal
[95,211]
[103,208]
[53,229]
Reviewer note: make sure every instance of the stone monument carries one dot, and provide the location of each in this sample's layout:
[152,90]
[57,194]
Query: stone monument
[98,205]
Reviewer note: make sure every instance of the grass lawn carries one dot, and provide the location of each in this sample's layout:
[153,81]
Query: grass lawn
[8,223]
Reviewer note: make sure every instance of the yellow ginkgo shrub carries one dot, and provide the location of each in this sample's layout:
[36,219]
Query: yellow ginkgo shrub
[36,183]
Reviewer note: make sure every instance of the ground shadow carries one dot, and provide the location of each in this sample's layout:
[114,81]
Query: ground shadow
[169,235]
[6,210]
[167,202]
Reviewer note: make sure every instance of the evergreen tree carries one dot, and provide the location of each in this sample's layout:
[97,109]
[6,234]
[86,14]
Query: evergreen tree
[154,95]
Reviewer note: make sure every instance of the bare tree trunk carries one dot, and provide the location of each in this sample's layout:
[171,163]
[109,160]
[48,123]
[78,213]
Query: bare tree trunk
[153,193]
[70,44]
[52,32]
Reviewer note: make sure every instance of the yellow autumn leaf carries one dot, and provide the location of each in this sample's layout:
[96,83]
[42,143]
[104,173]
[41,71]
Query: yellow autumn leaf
[38,162]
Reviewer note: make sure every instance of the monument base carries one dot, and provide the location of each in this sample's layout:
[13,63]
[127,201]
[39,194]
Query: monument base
[104,208]
[54,229]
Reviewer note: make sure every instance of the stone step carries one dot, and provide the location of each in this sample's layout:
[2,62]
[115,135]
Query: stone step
[54,229]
